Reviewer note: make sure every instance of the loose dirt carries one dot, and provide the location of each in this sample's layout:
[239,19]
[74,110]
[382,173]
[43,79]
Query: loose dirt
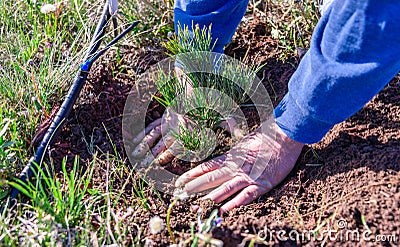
[348,184]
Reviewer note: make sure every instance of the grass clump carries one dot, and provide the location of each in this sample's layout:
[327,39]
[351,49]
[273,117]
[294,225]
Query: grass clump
[41,53]
[68,209]
[291,23]
[62,198]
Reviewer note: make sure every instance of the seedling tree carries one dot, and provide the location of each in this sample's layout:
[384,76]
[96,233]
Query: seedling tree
[207,89]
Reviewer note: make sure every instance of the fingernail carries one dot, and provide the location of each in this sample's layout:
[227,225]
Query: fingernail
[181,194]
[204,198]
[178,182]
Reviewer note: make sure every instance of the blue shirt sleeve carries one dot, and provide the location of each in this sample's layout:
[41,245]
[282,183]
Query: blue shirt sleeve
[354,53]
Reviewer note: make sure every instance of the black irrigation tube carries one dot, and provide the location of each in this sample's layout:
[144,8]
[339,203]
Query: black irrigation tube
[66,107]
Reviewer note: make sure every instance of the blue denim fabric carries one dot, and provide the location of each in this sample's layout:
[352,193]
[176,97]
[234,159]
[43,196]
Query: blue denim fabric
[354,53]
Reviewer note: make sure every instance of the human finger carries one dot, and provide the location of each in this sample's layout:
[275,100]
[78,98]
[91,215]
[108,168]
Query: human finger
[247,195]
[146,131]
[227,189]
[209,180]
[148,141]
[167,155]
[164,143]
[199,170]
[143,147]
[153,135]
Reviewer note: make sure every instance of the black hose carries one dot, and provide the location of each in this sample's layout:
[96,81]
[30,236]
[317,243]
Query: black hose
[66,107]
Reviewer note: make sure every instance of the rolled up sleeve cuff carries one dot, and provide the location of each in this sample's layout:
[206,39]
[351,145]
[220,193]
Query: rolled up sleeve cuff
[298,124]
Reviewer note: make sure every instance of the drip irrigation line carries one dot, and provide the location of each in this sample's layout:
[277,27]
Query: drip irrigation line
[69,101]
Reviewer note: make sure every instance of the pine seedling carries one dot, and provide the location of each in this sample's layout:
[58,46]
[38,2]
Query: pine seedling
[210,88]
[199,39]
[206,107]
[168,87]
[194,143]
[192,49]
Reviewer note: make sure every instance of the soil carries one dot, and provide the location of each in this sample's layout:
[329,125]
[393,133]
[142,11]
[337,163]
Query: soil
[350,186]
